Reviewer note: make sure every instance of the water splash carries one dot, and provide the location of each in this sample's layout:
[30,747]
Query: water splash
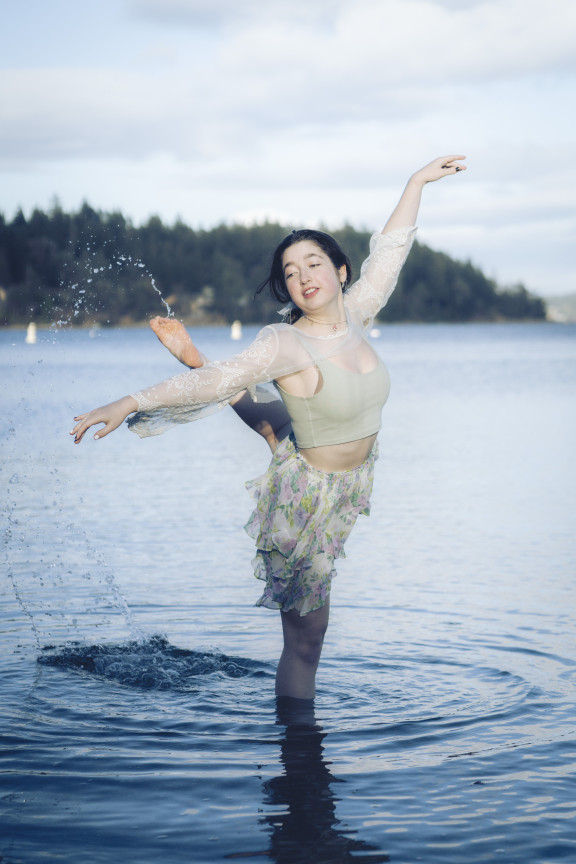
[60,579]
[68,588]
[95,279]
[152,664]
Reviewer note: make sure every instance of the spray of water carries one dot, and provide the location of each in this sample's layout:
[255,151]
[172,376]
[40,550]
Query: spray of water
[69,590]
[94,280]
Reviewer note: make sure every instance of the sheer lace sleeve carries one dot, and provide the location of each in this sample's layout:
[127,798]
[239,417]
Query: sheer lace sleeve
[197,392]
[379,273]
[275,351]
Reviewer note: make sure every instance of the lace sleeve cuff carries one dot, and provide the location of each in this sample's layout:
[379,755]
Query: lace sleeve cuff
[391,240]
[144,404]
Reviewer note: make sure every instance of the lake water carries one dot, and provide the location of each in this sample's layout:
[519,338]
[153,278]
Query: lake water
[138,715]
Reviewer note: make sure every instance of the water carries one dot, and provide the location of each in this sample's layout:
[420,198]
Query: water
[138,716]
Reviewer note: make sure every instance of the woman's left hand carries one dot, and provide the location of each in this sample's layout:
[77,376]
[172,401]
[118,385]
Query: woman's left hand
[112,415]
[438,168]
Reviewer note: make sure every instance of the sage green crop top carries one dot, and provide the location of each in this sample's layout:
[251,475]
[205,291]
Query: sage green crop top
[347,408]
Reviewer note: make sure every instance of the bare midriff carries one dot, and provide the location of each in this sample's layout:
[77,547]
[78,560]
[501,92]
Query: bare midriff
[339,457]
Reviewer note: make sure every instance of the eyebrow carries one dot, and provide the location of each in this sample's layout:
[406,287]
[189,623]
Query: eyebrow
[310,255]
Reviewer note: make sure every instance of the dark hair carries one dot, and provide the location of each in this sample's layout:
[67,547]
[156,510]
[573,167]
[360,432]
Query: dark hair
[276,281]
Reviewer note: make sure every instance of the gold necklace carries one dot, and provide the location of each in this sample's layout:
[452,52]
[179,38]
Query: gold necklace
[334,326]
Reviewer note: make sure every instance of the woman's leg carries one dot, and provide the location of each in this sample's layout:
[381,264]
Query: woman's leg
[303,640]
[269,419]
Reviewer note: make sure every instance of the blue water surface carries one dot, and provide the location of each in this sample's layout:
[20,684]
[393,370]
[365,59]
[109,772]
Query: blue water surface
[138,715]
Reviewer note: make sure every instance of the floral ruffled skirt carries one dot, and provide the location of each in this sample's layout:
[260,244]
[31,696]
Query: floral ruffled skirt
[302,519]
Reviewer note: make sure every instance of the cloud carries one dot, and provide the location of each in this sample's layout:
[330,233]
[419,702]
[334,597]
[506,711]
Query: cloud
[71,113]
[229,14]
[401,39]
[317,108]
[385,62]
[273,70]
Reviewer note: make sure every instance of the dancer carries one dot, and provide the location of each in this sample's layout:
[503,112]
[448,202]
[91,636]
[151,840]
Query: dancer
[334,386]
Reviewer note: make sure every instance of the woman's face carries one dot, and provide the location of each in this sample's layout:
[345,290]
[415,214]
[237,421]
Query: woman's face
[312,280]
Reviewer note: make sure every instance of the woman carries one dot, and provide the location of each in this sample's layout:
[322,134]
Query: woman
[334,387]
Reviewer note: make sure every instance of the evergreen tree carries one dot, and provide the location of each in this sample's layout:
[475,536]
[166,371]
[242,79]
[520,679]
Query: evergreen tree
[89,267]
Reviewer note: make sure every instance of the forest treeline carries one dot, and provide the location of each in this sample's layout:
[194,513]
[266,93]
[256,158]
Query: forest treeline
[91,267]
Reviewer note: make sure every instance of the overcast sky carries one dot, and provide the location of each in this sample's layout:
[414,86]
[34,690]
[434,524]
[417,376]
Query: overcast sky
[305,111]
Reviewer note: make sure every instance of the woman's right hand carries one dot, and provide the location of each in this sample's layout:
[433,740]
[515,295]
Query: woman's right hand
[438,168]
[112,415]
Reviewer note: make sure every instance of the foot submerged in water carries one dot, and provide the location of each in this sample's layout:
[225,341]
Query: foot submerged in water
[173,335]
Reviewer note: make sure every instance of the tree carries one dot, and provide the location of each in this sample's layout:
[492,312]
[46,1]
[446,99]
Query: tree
[91,266]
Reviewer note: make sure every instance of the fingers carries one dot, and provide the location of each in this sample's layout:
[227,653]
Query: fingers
[111,416]
[83,423]
[444,159]
[443,166]
[78,430]
[448,164]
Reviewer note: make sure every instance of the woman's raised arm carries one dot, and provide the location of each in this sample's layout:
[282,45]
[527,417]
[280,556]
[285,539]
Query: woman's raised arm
[389,250]
[406,211]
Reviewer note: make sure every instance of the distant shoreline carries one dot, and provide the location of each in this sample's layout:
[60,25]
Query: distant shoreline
[141,325]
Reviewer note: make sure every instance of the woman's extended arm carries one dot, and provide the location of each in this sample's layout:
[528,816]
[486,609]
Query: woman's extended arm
[389,250]
[275,351]
[406,211]
[198,390]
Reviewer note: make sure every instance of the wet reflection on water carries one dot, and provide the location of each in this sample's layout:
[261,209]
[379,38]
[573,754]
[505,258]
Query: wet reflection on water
[304,826]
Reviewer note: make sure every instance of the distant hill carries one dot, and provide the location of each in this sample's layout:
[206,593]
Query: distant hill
[91,267]
[561,308]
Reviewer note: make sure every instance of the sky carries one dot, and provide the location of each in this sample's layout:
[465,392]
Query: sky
[309,112]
